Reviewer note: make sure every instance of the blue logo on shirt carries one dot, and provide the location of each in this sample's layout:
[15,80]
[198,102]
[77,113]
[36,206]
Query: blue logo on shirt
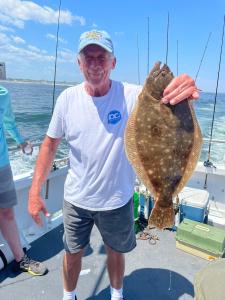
[114,117]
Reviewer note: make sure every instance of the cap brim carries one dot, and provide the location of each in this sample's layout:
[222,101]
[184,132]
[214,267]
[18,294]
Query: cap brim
[95,43]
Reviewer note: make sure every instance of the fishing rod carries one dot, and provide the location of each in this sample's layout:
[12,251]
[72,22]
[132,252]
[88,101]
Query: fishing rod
[53,93]
[138,63]
[167,37]
[56,57]
[177,58]
[206,46]
[148,49]
[208,163]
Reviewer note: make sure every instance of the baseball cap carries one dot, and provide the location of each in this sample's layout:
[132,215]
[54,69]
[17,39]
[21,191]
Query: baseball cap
[97,37]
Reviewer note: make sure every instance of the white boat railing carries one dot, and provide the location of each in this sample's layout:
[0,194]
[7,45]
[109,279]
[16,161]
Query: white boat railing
[205,141]
[213,141]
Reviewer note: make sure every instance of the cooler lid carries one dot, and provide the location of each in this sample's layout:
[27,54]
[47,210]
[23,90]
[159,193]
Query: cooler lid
[194,197]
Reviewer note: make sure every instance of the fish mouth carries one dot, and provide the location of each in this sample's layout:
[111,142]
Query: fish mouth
[156,69]
[158,79]
[159,71]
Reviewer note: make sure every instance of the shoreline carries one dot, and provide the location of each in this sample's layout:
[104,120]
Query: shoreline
[37,82]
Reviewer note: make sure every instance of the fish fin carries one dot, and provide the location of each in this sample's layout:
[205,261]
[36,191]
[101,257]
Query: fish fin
[162,217]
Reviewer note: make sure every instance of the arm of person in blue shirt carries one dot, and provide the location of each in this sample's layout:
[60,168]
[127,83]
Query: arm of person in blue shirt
[9,124]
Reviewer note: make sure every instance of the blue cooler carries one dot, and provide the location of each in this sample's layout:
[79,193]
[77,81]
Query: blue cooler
[193,204]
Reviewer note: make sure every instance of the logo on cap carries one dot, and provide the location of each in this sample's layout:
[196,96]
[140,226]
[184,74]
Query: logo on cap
[93,35]
[100,38]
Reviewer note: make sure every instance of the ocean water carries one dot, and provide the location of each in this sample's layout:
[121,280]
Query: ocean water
[32,106]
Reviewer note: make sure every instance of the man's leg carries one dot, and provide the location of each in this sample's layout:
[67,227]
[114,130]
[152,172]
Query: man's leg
[119,237]
[10,233]
[116,267]
[71,269]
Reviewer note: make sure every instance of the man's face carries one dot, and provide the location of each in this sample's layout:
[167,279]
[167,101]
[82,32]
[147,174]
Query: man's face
[96,64]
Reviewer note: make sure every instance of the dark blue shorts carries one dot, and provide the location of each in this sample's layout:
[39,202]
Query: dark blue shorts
[115,226]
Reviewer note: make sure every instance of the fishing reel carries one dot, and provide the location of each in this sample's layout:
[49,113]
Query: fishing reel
[209,164]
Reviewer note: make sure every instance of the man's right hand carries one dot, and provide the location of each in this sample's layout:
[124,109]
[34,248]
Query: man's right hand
[45,158]
[36,206]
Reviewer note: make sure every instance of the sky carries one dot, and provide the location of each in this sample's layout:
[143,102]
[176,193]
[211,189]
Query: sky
[28,37]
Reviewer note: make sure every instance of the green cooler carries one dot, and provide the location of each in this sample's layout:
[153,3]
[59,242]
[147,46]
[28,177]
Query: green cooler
[200,239]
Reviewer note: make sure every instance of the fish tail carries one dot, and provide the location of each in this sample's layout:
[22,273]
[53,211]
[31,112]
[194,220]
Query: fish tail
[162,217]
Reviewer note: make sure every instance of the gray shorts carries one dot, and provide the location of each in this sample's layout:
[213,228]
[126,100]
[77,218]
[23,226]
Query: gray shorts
[115,226]
[7,188]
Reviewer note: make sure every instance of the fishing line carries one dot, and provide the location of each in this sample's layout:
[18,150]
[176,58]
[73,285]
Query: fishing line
[53,93]
[167,37]
[56,56]
[177,58]
[206,46]
[148,50]
[208,163]
[138,64]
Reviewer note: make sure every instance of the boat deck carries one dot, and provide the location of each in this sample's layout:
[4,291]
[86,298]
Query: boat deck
[156,272]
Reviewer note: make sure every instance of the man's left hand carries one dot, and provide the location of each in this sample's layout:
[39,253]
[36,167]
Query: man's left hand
[180,88]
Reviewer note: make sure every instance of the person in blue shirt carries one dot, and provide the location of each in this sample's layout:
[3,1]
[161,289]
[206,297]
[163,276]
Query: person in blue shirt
[8,198]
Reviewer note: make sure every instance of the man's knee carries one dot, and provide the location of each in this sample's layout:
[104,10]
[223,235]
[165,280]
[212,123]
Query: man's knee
[113,254]
[72,258]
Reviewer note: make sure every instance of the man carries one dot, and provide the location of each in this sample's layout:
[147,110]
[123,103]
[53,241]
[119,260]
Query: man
[8,199]
[98,190]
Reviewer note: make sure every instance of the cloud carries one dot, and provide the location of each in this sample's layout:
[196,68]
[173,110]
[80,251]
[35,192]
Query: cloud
[80,19]
[66,55]
[15,50]
[18,40]
[17,12]
[12,53]
[53,37]
[33,48]
[4,28]
[36,49]
[10,20]
[4,39]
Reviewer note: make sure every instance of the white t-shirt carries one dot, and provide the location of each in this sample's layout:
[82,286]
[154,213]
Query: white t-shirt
[100,176]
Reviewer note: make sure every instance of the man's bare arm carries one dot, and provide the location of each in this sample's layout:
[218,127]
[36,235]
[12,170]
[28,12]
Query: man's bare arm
[42,168]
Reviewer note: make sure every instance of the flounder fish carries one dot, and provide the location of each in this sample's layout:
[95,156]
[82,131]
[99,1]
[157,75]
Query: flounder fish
[163,143]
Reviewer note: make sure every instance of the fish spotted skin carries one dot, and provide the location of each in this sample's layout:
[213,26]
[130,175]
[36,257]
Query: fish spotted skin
[163,143]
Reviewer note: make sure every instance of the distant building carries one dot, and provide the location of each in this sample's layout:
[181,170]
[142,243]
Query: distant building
[2,71]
